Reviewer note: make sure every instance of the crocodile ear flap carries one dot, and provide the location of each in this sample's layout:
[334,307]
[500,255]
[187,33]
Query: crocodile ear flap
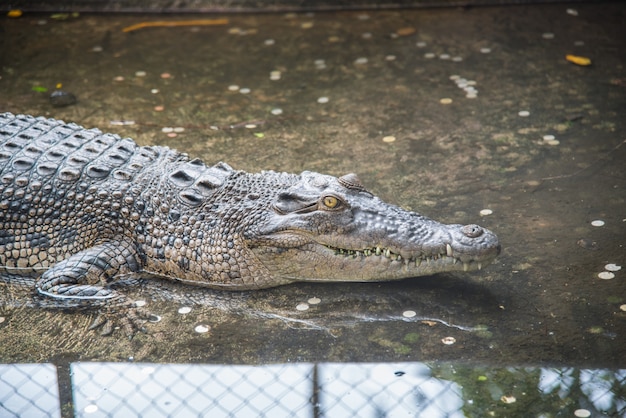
[288,202]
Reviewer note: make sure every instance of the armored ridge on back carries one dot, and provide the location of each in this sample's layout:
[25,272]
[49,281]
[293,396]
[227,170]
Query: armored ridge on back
[80,209]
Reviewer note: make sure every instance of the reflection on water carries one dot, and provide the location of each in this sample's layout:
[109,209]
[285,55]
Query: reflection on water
[373,390]
[603,389]
[312,390]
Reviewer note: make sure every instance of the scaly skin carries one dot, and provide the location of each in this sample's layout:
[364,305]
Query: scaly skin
[82,209]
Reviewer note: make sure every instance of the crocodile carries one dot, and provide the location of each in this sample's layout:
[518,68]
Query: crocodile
[81,210]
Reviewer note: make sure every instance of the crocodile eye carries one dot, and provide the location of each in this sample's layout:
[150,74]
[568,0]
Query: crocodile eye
[331,202]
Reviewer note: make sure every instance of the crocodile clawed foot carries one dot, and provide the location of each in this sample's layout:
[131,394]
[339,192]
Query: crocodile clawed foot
[130,318]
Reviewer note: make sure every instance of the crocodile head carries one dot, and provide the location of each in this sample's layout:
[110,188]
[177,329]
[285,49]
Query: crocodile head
[324,228]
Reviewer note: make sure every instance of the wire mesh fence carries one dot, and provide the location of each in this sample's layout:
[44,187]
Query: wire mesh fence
[29,390]
[104,389]
[310,390]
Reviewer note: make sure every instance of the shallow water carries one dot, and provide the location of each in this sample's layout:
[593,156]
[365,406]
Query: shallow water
[540,304]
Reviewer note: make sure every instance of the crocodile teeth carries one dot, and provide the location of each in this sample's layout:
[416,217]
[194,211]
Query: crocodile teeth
[446,257]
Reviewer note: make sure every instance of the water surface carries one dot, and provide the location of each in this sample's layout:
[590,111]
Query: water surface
[382,74]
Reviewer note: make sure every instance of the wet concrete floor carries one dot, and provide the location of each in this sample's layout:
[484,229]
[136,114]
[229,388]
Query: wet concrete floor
[530,136]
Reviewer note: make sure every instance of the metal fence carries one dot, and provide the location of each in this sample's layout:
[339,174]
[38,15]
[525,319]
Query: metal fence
[309,390]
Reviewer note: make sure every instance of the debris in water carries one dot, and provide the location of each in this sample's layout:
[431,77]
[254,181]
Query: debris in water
[606,275]
[184,310]
[448,340]
[121,122]
[551,140]
[302,307]
[405,31]
[578,60]
[466,85]
[90,409]
[597,222]
[587,244]
[409,314]
[612,267]
[175,23]
[508,399]
[320,64]
[201,329]
[60,98]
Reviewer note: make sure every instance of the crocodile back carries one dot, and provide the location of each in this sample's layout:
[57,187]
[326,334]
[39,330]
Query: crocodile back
[64,188]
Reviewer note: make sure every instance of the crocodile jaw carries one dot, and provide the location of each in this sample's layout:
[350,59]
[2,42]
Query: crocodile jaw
[319,258]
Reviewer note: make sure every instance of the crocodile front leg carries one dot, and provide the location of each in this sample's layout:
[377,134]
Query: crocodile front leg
[84,280]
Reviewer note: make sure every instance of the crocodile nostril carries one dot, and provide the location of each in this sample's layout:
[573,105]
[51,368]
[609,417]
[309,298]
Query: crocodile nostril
[472,231]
